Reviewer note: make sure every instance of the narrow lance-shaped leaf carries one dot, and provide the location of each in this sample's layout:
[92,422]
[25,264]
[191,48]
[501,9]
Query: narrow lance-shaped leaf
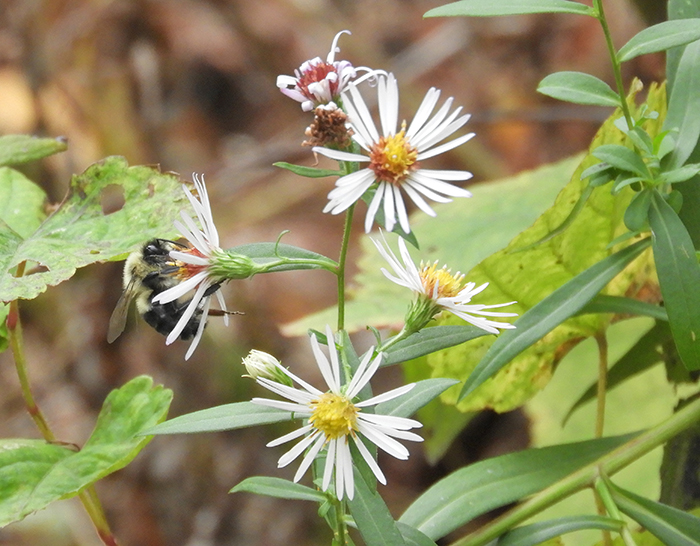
[412,536]
[578,88]
[226,417]
[430,340]
[679,277]
[423,392]
[623,306]
[537,533]
[550,312]
[264,253]
[33,474]
[660,38]
[279,488]
[485,485]
[670,525]
[372,516]
[309,172]
[622,157]
[479,8]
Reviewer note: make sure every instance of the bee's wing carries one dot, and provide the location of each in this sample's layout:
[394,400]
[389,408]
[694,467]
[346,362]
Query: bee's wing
[117,321]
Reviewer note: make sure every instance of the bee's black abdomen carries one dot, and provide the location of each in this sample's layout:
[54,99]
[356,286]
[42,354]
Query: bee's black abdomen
[164,316]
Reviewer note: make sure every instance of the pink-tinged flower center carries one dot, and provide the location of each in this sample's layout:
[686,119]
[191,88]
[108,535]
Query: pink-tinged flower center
[316,73]
[393,157]
[186,270]
[334,415]
[448,285]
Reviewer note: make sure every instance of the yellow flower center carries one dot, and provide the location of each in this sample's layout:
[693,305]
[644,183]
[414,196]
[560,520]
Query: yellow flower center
[448,284]
[393,157]
[334,415]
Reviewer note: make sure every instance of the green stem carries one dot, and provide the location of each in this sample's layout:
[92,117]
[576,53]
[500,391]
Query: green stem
[605,496]
[602,383]
[341,266]
[600,15]
[88,496]
[586,476]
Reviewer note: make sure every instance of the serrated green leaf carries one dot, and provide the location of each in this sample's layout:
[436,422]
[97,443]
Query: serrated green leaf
[21,203]
[485,485]
[479,8]
[78,233]
[279,488]
[660,37]
[308,172]
[537,533]
[624,306]
[34,474]
[407,404]
[18,149]
[430,340]
[372,516]
[642,356]
[683,106]
[226,417]
[679,277]
[622,158]
[263,253]
[578,88]
[542,318]
[670,525]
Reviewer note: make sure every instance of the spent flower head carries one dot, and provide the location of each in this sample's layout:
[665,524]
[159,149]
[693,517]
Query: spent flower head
[195,265]
[334,419]
[438,290]
[318,82]
[395,155]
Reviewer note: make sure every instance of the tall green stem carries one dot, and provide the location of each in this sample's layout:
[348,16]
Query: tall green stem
[88,497]
[341,266]
[600,14]
[585,477]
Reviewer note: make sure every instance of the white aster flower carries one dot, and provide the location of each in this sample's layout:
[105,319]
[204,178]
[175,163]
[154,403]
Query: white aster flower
[333,420]
[194,266]
[318,82]
[395,155]
[439,290]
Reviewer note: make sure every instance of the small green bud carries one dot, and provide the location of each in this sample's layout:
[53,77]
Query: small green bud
[260,364]
[228,265]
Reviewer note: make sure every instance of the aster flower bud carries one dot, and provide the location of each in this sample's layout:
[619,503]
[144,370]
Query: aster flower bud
[260,364]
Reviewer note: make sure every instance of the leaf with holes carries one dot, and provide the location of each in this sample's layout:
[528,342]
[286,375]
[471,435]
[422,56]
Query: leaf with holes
[85,229]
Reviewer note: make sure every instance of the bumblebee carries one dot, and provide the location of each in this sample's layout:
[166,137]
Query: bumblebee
[148,272]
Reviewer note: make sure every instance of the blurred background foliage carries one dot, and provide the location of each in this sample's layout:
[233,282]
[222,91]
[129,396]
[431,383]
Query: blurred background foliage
[190,85]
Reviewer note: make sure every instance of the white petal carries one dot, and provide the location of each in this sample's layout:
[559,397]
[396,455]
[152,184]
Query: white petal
[390,421]
[290,393]
[187,315]
[373,207]
[323,365]
[438,185]
[297,450]
[340,156]
[388,102]
[310,456]
[290,436]
[401,210]
[419,201]
[444,147]
[367,456]
[200,328]
[222,305]
[302,410]
[384,442]
[345,484]
[427,129]
[179,290]
[188,258]
[328,468]
[362,376]
[363,112]
[389,395]
[424,110]
[389,207]
[447,175]
[335,364]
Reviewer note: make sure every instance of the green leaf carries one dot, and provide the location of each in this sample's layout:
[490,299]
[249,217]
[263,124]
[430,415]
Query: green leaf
[550,312]
[34,474]
[680,175]
[18,149]
[642,356]
[679,277]
[277,487]
[479,8]
[409,403]
[21,203]
[578,88]
[660,38]
[536,533]
[430,340]
[638,210]
[622,158]
[79,233]
[226,417]
[678,9]
[485,485]
[683,107]
[372,516]
[623,306]
[263,253]
[412,536]
[670,525]
[308,172]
